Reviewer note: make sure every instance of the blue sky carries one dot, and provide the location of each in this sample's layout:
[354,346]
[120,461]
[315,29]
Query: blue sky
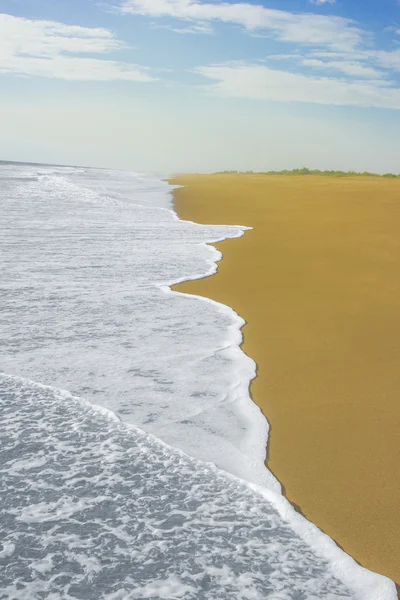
[191,85]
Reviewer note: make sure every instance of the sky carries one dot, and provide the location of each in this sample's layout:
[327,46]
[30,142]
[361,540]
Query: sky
[188,85]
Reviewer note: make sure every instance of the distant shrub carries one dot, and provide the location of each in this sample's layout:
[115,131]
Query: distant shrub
[306,171]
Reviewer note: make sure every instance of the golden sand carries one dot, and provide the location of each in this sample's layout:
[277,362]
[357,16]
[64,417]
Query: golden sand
[318,282]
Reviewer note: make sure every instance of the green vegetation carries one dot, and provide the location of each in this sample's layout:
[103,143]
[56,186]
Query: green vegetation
[305,171]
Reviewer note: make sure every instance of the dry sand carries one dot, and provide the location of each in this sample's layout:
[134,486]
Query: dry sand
[318,282]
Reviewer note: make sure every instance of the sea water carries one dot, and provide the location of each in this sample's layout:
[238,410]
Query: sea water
[146,478]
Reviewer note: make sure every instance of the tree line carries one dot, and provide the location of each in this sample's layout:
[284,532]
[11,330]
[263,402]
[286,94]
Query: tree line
[305,171]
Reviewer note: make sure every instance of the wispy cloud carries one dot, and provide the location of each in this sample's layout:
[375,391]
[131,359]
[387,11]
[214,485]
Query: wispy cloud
[364,64]
[260,82]
[348,67]
[52,49]
[302,28]
[364,59]
[319,2]
[352,68]
[330,59]
[388,59]
[196,28]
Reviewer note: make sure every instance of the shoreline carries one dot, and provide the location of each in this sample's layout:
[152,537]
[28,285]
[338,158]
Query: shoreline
[215,199]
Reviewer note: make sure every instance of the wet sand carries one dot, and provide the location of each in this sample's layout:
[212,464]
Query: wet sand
[318,282]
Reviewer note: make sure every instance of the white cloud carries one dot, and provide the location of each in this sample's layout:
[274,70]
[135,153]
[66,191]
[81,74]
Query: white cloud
[360,55]
[369,64]
[196,28]
[386,59]
[309,29]
[349,67]
[261,82]
[51,49]
[322,42]
[322,1]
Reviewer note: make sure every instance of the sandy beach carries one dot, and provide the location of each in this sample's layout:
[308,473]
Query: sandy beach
[318,282]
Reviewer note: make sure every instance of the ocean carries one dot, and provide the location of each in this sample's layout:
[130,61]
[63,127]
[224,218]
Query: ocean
[132,457]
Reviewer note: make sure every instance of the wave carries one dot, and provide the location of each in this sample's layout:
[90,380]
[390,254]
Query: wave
[112,512]
[89,260]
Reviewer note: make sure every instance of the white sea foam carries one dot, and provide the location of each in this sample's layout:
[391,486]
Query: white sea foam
[117,514]
[110,511]
[88,258]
